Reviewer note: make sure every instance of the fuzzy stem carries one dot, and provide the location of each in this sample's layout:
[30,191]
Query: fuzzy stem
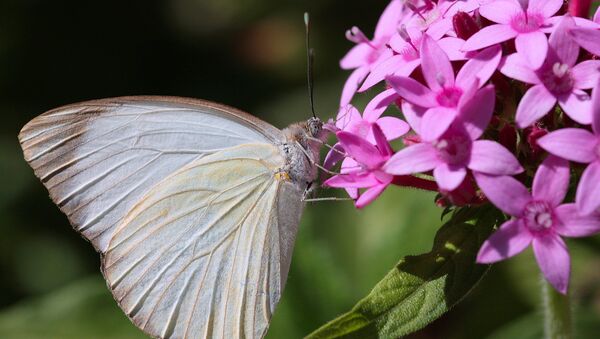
[557,313]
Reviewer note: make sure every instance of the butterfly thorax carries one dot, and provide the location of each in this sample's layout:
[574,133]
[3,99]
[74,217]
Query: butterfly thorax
[304,140]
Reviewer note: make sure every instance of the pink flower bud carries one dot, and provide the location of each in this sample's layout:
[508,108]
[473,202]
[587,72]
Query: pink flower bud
[411,140]
[533,135]
[464,25]
[580,8]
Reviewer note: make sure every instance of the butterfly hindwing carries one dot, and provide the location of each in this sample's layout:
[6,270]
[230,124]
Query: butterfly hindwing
[199,255]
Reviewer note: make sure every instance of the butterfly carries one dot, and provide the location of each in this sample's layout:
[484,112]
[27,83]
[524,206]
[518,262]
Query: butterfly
[192,205]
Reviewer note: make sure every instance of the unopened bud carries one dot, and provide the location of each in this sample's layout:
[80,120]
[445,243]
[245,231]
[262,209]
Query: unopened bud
[464,25]
[410,140]
[533,135]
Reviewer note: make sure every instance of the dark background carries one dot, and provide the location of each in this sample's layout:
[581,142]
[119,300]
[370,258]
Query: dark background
[248,54]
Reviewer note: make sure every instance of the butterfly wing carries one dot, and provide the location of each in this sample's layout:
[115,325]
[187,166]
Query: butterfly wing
[98,158]
[205,253]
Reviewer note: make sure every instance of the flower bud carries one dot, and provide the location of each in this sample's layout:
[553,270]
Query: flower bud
[411,140]
[464,25]
[533,135]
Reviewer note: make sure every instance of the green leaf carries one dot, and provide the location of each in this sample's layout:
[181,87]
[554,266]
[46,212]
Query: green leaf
[421,288]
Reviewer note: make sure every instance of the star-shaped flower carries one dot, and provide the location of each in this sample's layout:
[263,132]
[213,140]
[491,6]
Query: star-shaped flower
[539,220]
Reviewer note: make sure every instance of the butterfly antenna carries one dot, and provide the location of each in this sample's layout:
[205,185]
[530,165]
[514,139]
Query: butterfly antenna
[310,57]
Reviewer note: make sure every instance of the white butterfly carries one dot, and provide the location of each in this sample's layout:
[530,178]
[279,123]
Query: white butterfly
[193,206]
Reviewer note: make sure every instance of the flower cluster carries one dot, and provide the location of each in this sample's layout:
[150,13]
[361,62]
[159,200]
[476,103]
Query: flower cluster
[496,96]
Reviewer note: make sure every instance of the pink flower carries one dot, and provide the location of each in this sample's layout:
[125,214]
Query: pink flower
[406,57]
[581,145]
[457,150]
[526,24]
[436,19]
[369,159]
[539,220]
[559,79]
[445,95]
[350,120]
[368,53]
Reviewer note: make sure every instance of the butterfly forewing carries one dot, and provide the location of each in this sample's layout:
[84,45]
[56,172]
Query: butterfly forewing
[98,158]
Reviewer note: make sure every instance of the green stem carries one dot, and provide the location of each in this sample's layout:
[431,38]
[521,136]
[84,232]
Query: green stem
[557,313]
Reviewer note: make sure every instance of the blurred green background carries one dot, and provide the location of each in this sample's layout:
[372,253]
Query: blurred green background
[248,54]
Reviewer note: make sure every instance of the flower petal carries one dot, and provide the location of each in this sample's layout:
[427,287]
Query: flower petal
[452,46]
[551,180]
[350,165]
[490,157]
[383,69]
[347,116]
[545,7]
[380,140]
[596,109]
[504,192]
[369,195]
[388,21]
[436,121]
[574,224]
[392,127]
[578,106]
[412,159]
[533,47]
[509,240]
[352,84]
[562,43]
[500,12]
[412,91]
[334,156]
[516,67]
[481,66]
[553,258]
[573,144]
[536,103]
[489,36]
[587,38]
[360,149]
[356,57]
[379,104]
[413,115]
[588,190]
[477,112]
[586,74]
[449,177]
[352,180]
[435,64]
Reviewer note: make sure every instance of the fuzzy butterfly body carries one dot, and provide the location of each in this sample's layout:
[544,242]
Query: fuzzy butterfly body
[193,206]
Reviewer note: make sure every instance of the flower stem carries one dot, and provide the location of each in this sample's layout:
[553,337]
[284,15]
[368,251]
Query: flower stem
[557,313]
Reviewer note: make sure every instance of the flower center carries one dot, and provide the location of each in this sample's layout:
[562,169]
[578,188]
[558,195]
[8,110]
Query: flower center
[538,216]
[454,149]
[557,78]
[525,22]
[449,96]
